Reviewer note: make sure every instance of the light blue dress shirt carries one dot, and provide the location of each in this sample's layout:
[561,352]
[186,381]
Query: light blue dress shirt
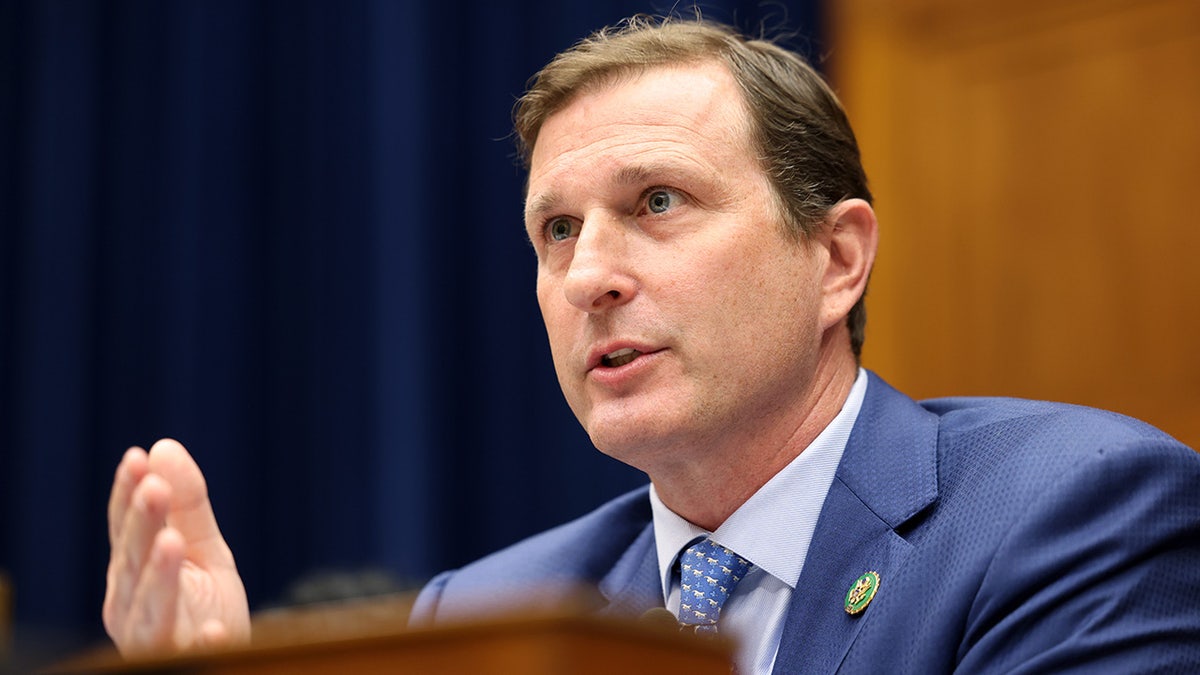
[772,530]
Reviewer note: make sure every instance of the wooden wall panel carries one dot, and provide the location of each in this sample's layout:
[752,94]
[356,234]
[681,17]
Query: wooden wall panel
[1036,167]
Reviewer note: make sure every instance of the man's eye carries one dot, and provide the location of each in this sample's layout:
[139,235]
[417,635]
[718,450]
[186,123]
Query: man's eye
[561,228]
[660,200]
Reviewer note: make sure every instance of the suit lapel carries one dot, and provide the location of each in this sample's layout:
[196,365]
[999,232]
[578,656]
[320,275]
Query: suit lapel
[633,585]
[888,474]
[849,541]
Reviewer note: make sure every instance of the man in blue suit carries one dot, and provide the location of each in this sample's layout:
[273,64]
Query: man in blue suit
[704,236]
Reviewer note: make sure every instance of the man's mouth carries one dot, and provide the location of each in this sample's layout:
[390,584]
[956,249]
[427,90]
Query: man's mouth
[619,357]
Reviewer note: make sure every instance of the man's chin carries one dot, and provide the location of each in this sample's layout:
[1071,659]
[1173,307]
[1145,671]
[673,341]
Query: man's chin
[631,440]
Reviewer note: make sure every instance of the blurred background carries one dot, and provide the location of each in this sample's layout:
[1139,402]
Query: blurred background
[289,234]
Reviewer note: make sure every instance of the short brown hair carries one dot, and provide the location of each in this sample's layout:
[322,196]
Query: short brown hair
[801,133]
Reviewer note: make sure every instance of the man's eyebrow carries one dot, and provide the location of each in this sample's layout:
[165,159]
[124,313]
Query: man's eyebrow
[635,174]
[641,174]
[540,204]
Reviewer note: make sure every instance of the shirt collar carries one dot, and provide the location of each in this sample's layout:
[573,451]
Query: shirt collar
[774,527]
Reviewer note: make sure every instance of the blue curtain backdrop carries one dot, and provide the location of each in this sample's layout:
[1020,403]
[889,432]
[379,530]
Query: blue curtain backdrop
[289,234]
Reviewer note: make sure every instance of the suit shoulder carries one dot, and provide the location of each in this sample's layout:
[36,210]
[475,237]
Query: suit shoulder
[1013,423]
[555,565]
[999,454]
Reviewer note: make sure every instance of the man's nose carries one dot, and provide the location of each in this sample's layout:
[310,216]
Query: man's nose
[599,276]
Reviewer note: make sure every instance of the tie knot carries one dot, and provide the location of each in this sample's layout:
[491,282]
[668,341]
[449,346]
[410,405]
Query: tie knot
[708,573]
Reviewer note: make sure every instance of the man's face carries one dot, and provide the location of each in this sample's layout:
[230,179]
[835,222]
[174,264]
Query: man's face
[680,318]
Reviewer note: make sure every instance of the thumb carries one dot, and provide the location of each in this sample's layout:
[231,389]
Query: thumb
[190,511]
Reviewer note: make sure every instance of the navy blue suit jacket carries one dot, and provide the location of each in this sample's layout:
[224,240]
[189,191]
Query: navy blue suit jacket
[1008,536]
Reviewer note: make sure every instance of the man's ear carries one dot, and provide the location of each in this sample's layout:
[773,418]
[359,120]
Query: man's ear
[851,234]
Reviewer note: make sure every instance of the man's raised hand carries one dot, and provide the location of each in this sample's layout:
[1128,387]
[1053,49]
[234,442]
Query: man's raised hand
[172,582]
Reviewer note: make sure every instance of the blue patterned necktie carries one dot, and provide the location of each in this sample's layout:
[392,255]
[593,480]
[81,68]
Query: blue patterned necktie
[708,573]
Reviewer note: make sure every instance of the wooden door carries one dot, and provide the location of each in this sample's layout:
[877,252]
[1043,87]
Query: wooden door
[1036,167]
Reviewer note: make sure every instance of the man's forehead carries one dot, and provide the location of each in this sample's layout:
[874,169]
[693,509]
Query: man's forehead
[662,94]
[689,104]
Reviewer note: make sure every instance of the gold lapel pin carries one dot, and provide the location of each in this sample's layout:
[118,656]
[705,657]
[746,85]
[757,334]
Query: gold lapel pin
[862,592]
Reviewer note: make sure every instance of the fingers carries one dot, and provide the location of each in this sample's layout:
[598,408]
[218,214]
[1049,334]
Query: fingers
[144,519]
[191,513]
[150,625]
[130,471]
[169,459]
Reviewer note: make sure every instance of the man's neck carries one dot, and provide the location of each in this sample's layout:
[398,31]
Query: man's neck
[707,492]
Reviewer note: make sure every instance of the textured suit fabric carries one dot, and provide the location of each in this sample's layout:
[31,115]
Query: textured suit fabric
[1008,535]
